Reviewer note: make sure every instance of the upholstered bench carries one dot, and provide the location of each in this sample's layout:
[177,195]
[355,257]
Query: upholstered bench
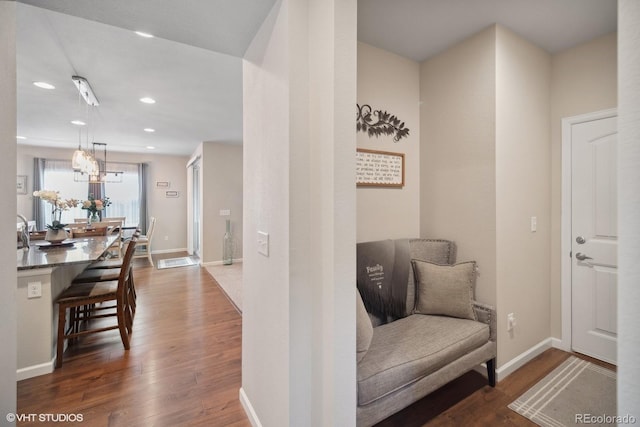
[402,360]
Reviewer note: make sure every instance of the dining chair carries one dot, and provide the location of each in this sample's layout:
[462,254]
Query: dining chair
[88,232]
[145,241]
[82,301]
[113,228]
[92,275]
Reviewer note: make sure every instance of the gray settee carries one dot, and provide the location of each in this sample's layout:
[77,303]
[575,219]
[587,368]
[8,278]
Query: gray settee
[401,360]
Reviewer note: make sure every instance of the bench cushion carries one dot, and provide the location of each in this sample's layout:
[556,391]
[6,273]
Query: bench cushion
[413,347]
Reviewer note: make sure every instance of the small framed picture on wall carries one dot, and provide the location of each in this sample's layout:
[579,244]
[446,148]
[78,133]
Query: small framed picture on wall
[22,184]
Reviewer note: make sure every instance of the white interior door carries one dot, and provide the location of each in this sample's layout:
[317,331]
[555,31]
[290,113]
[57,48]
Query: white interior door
[594,238]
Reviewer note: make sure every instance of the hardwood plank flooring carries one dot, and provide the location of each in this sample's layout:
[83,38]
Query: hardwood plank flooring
[184,368]
[469,401]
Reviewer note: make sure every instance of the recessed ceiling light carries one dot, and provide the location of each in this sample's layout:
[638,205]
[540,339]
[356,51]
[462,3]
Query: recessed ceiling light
[149,130]
[148,100]
[21,137]
[150,147]
[44,85]
[143,34]
[78,122]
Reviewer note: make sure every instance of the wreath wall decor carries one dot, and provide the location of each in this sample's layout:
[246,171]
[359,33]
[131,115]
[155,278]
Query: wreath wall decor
[386,124]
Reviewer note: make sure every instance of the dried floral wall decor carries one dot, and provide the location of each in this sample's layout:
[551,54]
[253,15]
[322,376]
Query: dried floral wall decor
[383,124]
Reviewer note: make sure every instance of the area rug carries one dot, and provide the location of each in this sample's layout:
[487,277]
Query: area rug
[576,392]
[229,277]
[176,262]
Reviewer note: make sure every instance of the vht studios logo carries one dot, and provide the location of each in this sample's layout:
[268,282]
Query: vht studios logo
[49,418]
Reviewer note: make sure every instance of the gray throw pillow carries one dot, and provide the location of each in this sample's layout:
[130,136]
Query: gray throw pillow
[445,289]
[364,329]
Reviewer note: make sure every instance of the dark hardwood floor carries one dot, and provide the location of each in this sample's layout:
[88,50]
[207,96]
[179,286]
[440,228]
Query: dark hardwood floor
[469,401]
[184,368]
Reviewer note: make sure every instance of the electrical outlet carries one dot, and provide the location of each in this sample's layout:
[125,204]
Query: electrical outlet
[34,289]
[511,321]
[225,212]
[166,237]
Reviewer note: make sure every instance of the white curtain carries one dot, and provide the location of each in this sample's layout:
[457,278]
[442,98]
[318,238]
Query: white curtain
[126,197]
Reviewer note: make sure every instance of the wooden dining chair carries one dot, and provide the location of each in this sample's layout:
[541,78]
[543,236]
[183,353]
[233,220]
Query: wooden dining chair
[144,242]
[80,232]
[89,301]
[110,270]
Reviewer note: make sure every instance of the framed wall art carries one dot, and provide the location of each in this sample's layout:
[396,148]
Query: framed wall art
[22,184]
[379,168]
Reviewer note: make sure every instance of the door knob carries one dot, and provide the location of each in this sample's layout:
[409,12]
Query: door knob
[580,240]
[581,257]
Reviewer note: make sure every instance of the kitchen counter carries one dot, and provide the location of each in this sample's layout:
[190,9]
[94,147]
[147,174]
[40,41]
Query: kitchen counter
[42,254]
[43,274]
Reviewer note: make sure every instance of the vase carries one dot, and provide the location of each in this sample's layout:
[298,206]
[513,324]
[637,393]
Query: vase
[94,218]
[56,236]
[227,246]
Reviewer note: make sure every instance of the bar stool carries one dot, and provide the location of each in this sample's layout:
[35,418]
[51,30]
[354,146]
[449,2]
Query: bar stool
[81,295]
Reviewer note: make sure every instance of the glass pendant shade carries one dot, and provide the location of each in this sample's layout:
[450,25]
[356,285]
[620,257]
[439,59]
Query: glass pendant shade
[93,168]
[79,159]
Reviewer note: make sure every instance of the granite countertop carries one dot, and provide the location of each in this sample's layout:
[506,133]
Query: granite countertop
[42,254]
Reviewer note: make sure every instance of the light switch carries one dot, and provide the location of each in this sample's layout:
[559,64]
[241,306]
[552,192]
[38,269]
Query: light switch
[534,224]
[34,289]
[263,243]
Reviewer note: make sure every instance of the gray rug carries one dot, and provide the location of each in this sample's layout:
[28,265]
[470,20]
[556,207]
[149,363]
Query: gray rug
[575,393]
[176,262]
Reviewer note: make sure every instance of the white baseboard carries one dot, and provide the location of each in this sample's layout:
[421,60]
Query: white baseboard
[520,360]
[35,370]
[212,263]
[168,251]
[248,409]
[557,343]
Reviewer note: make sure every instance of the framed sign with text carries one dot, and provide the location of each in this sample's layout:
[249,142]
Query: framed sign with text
[379,168]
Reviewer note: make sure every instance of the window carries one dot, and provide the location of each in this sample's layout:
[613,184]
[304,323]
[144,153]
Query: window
[125,196]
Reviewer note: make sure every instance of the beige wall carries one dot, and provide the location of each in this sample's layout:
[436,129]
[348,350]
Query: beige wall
[171,226]
[8,323]
[457,153]
[583,80]
[629,210]
[221,169]
[523,74]
[485,167]
[390,83]
[298,323]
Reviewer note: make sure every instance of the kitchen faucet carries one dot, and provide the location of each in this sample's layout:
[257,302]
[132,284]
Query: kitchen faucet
[24,235]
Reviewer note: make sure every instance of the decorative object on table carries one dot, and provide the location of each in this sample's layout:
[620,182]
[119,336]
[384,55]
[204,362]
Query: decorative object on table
[21,185]
[227,246]
[95,206]
[55,231]
[54,245]
[379,168]
[386,124]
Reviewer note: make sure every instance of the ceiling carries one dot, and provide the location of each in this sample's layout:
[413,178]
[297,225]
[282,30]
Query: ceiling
[193,65]
[418,29]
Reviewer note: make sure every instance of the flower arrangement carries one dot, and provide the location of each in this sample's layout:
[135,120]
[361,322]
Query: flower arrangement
[58,205]
[94,205]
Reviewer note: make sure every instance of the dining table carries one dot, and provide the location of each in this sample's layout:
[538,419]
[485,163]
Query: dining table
[44,270]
